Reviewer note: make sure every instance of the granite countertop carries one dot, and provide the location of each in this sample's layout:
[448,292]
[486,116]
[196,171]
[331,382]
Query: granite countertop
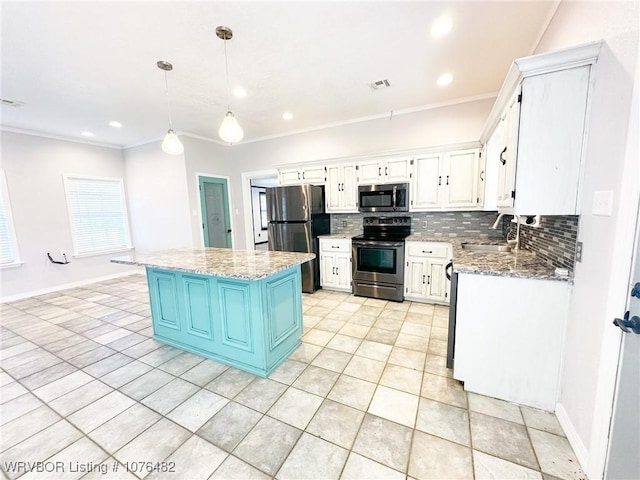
[342,235]
[219,262]
[521,264]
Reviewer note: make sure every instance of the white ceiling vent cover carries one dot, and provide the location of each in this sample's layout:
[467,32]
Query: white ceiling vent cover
[379,85]
[10,103]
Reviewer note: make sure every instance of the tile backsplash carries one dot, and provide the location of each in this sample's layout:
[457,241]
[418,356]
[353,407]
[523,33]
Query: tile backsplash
[554,241]
[438,224]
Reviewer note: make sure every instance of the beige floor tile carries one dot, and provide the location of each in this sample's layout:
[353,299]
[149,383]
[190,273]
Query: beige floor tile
[355,330]
[444,421]
[555,455]
[312,457]
[487,467]
[288,371]
[353,392]
[121,429]
[412,342]
[229,426]
[437,365]
[330,324]
[267,446]
[359,318]
[407,358]
[503,439]
[336,423]
[495,408]
[541,420]
[385,442]
[195,459]
[147,445]
[394,405]
[365,369]
[235,469]
[197,409]
[261,394]
[435,458]
[333,360]
[316,380]
[374,350]
[295,407]
[317,337]
[361,468]
[231,382]
[381,335]
[444,390]
[402,378]
[344,343]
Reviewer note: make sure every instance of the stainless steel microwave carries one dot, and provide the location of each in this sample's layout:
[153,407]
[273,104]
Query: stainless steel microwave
[392,197]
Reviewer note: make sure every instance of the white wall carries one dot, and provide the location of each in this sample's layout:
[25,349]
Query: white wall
[599,291]
[158,199]
[34,168]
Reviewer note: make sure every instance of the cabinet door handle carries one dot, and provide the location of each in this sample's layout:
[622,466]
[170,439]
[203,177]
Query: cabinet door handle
[303,175]
[336,270]
[379,171]
[335,246]
[447,179]
[428,279]
[481,176]
[502,159]
[427,251]
[439,180]
[298,175]
[333,270]
[423,277]
[385,171]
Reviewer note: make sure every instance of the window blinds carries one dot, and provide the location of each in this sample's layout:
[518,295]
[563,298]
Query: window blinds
[98,214]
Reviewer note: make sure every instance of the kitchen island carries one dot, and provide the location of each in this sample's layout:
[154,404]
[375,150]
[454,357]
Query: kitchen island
[240,307]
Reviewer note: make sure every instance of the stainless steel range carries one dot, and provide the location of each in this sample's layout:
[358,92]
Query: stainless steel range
[378,258]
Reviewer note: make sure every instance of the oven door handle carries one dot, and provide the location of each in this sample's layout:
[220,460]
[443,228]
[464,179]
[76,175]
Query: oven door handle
[376,243]
[395,193]
[446,270]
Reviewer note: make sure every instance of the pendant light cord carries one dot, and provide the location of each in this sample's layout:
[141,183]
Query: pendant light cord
[166,91]
[226,67]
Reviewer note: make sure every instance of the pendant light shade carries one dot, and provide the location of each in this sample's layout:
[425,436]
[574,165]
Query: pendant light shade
[230,130]
[171,143]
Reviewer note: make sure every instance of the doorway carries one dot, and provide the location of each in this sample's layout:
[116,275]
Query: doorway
[216,220]
[254,185]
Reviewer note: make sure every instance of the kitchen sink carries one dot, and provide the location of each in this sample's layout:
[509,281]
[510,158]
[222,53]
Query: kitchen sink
[485,248]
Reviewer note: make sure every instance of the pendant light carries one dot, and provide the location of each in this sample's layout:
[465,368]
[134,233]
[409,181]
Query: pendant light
[230,130]
[171,143]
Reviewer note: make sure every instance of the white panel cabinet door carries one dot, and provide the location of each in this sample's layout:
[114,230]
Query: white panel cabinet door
[349,188]
[335,264]
[289,176]
[508,154]
[343,272]
[327,271]
[437,284]
[461,179]
[370,172]
[427,180]
[332,190]
[415,278]
[315,175]
[341,193]
[397,170]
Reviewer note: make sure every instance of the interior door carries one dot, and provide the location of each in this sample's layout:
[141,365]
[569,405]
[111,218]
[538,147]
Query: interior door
[623,461]
[216,221]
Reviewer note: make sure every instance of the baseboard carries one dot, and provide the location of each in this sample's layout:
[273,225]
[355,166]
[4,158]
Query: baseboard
[65,286]
[572,435]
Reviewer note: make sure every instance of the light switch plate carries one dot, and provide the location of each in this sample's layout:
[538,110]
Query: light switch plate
[602,203]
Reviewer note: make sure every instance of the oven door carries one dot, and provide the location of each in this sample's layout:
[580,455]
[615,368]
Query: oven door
[378,261]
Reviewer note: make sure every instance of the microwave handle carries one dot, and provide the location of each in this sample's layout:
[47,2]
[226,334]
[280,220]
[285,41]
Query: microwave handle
[395,193]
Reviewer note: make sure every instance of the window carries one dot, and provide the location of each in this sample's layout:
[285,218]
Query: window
[98,215]
[264,224]
[9,255]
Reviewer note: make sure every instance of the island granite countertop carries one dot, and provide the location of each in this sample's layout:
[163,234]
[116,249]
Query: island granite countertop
[219,262]
[521,264]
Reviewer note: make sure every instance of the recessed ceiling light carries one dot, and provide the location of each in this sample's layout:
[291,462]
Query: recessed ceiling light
[441,27]
[115,124]
[287,115]
[445,79]
[239,92]
[87,134]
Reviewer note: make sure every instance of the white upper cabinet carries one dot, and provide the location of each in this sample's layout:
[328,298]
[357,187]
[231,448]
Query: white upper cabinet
[542,114]
[314,174]
[384,170]
[341,193]
[447,180]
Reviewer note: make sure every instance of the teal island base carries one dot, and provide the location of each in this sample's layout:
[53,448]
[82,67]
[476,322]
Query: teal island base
[253,325]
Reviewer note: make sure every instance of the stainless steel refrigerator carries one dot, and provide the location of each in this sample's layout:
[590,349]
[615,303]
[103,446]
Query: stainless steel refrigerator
[296,217]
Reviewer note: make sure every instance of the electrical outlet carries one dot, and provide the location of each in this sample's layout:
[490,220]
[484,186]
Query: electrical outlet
[602,203]
[425,223]
[579,252]
[63,253]
[344,223]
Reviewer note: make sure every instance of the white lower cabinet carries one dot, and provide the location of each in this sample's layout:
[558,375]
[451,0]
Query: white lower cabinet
[425,277]
[509,336]
[335,264]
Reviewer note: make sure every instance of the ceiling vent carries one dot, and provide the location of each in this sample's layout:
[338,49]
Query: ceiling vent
[10,103]
[379,85]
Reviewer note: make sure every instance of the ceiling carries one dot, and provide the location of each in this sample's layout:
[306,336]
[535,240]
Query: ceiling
[78,65]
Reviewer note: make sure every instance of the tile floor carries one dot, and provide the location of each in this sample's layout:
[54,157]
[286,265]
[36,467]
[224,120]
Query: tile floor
[366,396]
